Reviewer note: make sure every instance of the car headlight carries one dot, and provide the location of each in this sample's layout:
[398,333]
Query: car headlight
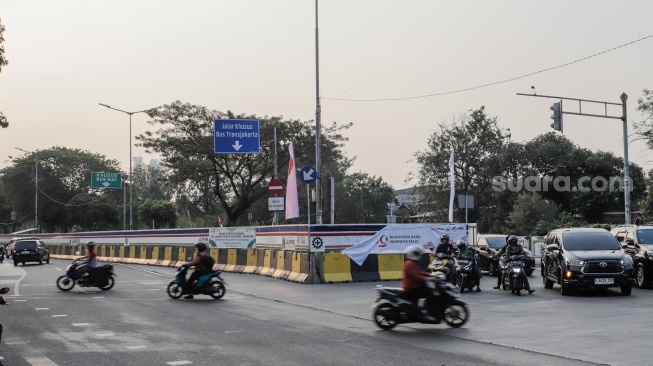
[575,262]
[627,261]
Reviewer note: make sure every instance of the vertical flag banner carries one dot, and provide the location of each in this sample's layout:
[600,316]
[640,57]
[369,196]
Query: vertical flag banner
[292,203]
[453,187]
[219,221]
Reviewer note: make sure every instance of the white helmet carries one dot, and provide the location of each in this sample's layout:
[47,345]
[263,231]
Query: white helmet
[413,252]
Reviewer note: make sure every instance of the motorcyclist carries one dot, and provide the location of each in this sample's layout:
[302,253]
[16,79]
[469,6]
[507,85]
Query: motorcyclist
[203,264]
[466,251]
[413,280]
[91,260]
[510,249]
[447,249]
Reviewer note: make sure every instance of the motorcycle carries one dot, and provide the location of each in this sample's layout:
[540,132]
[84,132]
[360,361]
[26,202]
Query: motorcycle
[392,308]
[465,270]
[101,276]
[514,271]
[3,291]
[210,284]
[441,264]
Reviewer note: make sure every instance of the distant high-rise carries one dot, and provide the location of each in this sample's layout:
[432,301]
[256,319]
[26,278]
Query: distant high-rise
[138,160]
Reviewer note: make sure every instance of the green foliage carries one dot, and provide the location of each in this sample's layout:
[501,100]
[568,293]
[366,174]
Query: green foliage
[602,226]
[528,211]
[93,212]
[564,219]
[362,199]
[159,213]
[644,127]
[63,174]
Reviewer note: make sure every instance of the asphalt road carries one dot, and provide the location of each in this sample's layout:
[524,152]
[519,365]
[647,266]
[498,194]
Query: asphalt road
[262,321]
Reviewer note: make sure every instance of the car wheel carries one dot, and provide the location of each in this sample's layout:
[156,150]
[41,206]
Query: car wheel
[642,277]
[564,289]
[626,290]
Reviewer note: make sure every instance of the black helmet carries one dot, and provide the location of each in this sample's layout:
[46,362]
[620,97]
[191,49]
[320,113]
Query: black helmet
[200,246]
[461,244]
[512,239]
[444,237]
[90,244]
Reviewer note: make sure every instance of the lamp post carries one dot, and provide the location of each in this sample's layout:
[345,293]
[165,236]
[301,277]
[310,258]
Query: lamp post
[131,217]
[36,190]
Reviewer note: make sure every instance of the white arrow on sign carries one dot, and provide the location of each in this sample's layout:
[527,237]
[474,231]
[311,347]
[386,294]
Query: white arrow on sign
[308,175]
[106,184]
[237,146]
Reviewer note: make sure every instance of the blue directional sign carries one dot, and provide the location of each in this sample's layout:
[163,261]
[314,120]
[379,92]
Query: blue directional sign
[308,174]
[237,136]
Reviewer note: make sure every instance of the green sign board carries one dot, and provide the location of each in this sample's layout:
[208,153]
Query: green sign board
[106,180]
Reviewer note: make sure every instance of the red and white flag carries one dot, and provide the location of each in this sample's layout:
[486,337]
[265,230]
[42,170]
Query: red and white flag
[292,203]
[219,221]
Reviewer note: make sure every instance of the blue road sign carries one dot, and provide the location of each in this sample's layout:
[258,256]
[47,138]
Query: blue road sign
[308,174]
[237,136]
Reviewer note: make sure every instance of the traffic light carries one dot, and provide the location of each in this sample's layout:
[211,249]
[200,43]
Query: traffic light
[557,116]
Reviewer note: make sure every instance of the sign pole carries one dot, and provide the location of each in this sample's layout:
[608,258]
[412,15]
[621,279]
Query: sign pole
[308,200]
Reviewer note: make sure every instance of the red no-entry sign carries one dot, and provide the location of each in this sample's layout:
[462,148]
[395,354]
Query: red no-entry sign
[275,187]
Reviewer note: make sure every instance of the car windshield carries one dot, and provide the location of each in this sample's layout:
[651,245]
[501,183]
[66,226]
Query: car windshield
[590,241]
[25,245]
[645,236]
[496,242]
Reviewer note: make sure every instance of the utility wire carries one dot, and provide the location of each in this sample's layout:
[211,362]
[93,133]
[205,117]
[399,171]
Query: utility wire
[494,83]
[66,204]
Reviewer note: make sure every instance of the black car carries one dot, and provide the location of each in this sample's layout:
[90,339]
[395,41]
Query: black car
[639,241]
[489,245]
[30,250]
[585,258]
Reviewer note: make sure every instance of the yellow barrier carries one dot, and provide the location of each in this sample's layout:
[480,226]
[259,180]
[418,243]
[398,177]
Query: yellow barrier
[337,268]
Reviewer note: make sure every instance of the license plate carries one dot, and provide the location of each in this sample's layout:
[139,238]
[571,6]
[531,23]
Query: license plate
[604,281]
[25,252]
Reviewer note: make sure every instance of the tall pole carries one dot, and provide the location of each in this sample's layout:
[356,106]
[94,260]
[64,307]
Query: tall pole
[624,98]
[36,194]
[131,206]
[318,111]
[131,216]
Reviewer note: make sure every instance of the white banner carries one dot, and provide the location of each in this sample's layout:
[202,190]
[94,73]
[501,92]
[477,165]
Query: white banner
[395,239]
[232,237]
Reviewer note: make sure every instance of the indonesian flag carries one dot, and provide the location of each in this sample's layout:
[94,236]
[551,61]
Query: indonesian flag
[219,221]
[292,203]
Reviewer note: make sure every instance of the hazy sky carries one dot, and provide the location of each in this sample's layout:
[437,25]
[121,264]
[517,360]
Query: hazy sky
[258,57]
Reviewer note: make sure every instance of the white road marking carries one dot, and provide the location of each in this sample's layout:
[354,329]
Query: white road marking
[98,297]
[59,315]
[154,289]
[58,269]
[37,309]
[105,334]
[184,362]
[136,347]
[16,292]
[20,300]
[80,324]
[40,361]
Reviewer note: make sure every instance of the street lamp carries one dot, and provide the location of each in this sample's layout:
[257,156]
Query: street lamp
[131,217]
[624,98]
[36,191]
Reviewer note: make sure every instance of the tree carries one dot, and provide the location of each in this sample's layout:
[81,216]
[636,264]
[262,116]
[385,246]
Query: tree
[3,62]
[528,211]
[93,212]
[362,199]
[159,213]
[476,140]
[63,174]
[647,203]
[644,128]
[232,183]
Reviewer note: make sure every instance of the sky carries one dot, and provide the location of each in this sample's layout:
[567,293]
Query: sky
[258,57]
